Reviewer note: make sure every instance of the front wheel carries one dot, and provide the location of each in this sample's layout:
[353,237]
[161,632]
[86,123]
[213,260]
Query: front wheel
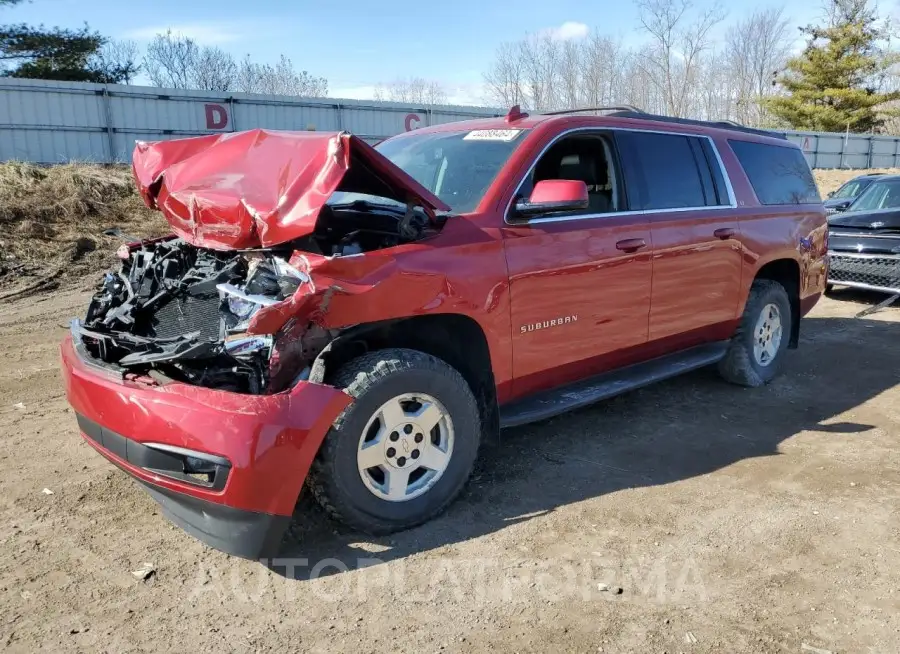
[403,450]
[757,348]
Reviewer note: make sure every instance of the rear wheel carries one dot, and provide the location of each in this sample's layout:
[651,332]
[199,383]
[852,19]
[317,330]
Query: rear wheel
[403,450]
[757,348]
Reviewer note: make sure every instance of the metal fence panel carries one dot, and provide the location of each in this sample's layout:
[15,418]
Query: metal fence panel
[50,122]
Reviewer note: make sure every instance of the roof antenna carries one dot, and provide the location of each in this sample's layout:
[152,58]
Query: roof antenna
[515,113]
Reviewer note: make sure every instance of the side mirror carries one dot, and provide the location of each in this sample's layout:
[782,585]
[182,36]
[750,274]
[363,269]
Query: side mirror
[830,193]
[554,195]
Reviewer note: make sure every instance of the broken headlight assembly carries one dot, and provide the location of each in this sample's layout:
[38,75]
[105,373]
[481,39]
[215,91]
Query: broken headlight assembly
[179,312]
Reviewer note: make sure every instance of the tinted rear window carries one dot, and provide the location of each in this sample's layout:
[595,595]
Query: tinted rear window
[779,175]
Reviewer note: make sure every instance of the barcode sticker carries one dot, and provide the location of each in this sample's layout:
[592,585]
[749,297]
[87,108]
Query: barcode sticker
[492,135]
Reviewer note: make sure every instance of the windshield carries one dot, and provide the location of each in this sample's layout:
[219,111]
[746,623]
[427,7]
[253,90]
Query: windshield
[879,195]
[851,189]
[457,167]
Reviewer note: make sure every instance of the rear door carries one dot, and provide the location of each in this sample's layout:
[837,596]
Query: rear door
[696,248]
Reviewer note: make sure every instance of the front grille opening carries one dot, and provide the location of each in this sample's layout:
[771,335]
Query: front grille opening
[877,272]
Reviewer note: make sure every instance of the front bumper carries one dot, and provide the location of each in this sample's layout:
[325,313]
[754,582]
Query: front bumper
[877,272]
[259,448]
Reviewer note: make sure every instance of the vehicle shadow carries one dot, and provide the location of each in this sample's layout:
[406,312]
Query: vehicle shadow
[688,426]
[859,296]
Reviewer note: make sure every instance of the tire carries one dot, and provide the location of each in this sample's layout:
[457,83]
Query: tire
[741,364]
[375,380]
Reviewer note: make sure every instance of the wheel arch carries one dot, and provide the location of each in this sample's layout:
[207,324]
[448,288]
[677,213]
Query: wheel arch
[786,271]
[456,339]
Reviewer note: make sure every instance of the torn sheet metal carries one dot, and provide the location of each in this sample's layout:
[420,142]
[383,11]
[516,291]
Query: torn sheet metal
[261,188]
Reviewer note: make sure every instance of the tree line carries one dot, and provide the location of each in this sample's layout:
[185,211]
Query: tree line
[845,78]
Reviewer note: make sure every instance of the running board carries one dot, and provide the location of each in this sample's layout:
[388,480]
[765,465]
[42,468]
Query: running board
[574,396]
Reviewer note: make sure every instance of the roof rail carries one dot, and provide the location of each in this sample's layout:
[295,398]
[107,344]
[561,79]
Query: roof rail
[721,124]
[616,107]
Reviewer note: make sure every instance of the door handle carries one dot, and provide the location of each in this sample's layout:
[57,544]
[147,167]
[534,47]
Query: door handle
[631,244]
[724,232]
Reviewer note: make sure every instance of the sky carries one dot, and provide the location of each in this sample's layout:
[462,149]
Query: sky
[355,44]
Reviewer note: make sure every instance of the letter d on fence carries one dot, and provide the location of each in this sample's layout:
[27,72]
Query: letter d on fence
[216,116]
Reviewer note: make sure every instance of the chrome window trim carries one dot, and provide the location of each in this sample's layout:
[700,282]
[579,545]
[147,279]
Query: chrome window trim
[554,219]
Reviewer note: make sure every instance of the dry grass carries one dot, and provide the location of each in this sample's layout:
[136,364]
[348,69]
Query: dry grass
[52,220]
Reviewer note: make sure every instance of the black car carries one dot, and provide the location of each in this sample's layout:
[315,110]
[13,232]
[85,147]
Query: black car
[841,199]
[864,242]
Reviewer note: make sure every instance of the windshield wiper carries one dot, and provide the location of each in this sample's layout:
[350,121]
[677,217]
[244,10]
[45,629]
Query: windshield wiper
[366,205]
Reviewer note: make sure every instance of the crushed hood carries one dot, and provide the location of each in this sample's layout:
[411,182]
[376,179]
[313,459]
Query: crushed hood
[260,188]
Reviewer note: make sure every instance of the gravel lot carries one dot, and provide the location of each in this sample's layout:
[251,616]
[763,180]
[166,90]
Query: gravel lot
[733,520]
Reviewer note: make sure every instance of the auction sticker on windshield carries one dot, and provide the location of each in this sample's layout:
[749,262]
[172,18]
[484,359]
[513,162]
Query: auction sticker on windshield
[492,135]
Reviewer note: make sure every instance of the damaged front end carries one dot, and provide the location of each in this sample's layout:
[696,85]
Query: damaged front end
[220,304]
[177,312]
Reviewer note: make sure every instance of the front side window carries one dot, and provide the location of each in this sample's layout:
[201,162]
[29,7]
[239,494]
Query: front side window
[779,174]
[458,167]
[880,195]
[585,158]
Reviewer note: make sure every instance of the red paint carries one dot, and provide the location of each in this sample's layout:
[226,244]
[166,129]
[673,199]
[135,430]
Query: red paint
[277,183]
[270,440]
[559,190]
[216,116]
[686,286]
[409,120]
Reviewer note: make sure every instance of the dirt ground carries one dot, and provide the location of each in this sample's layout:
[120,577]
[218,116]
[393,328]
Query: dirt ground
[733,520]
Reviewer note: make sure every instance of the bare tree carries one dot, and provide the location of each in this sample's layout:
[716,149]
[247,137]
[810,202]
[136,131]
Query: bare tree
[214,70]
[170,60]
[280,79]
[248,76]
[176,61]
[415,90]
[677,42]
[542,66]
[602,69]
[680,71]
[755,48]
[503,81]
[119,57]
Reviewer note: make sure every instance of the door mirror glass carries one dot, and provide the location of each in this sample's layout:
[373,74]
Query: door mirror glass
[554,195]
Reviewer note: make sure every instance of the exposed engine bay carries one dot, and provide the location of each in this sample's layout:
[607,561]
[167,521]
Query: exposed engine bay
[178,312]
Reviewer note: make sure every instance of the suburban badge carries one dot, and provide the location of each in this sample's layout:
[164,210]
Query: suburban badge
[547,324]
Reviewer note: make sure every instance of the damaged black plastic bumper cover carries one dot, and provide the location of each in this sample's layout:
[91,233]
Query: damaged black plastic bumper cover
[247,534]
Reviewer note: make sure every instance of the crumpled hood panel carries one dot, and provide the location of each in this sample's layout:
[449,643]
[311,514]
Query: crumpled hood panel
[260,188]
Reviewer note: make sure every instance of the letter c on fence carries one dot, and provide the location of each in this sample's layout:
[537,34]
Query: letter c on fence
[216,116]
[410,119]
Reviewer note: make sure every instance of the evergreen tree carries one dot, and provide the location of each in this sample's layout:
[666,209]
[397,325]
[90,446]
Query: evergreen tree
[836,82]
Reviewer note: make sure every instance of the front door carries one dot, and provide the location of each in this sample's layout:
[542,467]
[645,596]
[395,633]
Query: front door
[579,282]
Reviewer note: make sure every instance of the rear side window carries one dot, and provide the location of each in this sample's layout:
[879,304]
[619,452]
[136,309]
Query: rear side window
[671,171]
[778,174]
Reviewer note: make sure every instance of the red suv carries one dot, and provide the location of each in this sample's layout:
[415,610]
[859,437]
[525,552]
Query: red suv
[358,319]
